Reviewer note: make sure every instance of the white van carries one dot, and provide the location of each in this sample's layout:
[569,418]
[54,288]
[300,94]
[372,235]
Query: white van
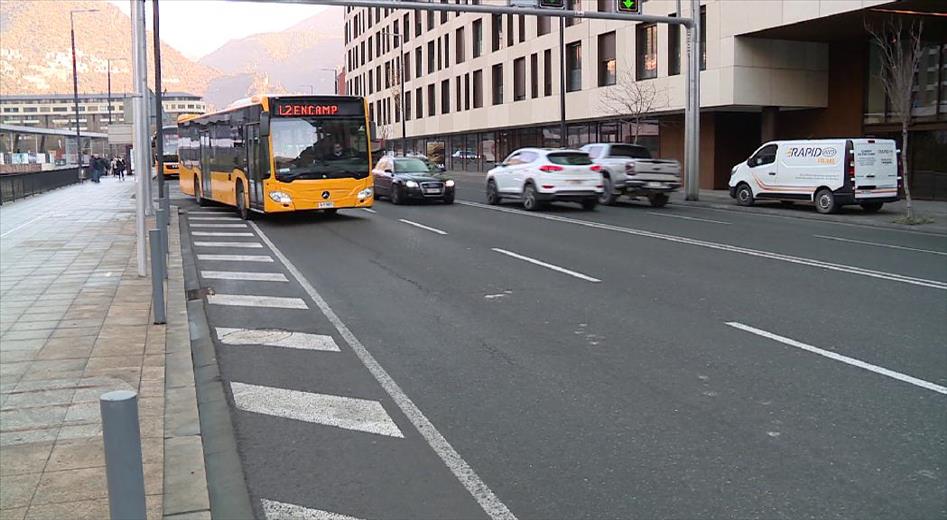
[830,172]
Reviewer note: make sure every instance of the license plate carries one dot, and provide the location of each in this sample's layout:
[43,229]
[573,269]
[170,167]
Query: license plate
[575,182]
[431,190]
[654,184]
[328,204]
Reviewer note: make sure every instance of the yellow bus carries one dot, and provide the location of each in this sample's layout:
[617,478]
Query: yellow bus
[170,155]
[276,154]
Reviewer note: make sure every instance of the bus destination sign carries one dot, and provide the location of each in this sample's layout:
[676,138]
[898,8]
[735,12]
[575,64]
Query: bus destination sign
[302,108]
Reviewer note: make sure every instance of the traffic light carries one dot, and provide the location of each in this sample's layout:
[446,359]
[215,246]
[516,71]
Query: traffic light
[552,4]
[629,6]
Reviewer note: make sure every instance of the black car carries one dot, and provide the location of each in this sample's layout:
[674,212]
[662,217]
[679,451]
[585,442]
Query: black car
[411,178]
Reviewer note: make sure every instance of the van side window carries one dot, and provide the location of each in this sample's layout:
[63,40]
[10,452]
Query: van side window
[766,155]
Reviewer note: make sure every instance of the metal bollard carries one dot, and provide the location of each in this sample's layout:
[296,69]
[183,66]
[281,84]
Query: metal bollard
[166,206]
[157,276]
[161,221]
[123,467]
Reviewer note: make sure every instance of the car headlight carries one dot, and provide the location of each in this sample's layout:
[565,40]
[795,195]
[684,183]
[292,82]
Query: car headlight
[449,183]
[281,197]
[411,184]
[364,194]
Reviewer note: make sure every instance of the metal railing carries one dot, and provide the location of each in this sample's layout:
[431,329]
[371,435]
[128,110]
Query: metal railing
[15,186]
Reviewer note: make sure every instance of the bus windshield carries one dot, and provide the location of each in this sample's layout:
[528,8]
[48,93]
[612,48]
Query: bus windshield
[320,148]
[170,145]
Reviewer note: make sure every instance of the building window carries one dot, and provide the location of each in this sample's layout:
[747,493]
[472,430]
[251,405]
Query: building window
[419,103]
[371,82]
[406,23]
[674,48]
[430,57]
[509,30]
[458,95]
[446,50]
[703,37]
[497,77]
[407,66]
[519,79]
[571,6]
[459,43]
[369,48]
[522,28]
[430,20]
[547,72]
[478,89]
[574,67]
[418,63]
[387,74]
[606,6]
[430,100]
[444,13]
[418,29]
[395,26]
[438,54]
[606,59]
[533,76]
[407,105]
[467,91]
[477,38]
[445,96]
[543,25]
[646,47]
[378,78]
[496,25]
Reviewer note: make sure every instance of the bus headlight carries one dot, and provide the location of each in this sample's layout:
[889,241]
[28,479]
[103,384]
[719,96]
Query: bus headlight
[281,197]
[449,183]
[411,184]
[364,194]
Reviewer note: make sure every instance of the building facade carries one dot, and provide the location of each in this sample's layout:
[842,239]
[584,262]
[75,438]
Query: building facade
[58,110]
[478,86]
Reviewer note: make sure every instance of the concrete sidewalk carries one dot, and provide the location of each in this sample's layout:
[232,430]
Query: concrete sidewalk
[75,322]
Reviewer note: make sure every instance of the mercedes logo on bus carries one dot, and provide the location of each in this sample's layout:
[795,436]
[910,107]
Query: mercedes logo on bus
[325,195]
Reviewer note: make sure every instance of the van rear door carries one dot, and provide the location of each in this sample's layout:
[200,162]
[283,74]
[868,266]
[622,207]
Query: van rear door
[876,168]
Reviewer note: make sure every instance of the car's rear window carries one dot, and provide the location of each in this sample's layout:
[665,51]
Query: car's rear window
[630,151]
[569,158]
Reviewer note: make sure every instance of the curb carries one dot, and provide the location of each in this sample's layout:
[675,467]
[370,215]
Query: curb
[226,484]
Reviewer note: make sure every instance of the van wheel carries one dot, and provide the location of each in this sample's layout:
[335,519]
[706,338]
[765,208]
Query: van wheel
[872,207]
[825,201]
[744,195]
[197,194]
[608,196]
[658,200]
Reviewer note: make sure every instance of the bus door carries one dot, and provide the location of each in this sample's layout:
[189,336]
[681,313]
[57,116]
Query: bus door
[255,166]
[206,189]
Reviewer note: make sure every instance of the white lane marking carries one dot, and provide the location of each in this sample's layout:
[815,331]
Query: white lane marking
[422,226]
[844,359]
[662,214]
[934,284]
[477,488]
[274,510]
[277,338]
[249,300]
[331,410]
[892,246]
[213,218]
[210,210]
[218,226]
[370,210]
[239,275]
[236,258]
[245,245]
[220,234]
[27,223]
[547,265]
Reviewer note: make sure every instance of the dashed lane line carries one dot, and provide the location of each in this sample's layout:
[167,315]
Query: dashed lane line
[839,357]
[540,263]
[478,489]
[878,244]
[277,338]
[244,245]
[422,226]
[274,510]
[249,300]
[245,276]
[369,210]
[671,215]
[922,282]
[347,413]
[236,258]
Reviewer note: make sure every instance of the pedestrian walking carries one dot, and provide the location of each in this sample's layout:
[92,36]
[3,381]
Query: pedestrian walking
[120,169]
[97,168]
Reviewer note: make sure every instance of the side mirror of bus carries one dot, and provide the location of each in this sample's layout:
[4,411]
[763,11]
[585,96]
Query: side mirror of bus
[372,131]
[264,123]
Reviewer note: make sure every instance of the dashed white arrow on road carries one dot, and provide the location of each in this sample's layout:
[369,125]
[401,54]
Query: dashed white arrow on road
[277,338]
[274,510]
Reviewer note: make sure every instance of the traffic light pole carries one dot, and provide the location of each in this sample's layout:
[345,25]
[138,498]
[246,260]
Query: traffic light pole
[691,108]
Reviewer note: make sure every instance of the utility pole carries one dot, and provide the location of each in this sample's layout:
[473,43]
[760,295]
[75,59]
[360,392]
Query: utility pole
[75,81]
[110,90]
[140,115]
[563,139]
[159,118]
[692,109]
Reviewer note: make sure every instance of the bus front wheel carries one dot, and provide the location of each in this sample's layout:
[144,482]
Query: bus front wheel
[242,209]
[197,194]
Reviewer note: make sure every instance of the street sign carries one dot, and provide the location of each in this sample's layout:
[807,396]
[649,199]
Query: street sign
[629,6]
[532,4]
[120,133]
[552,4]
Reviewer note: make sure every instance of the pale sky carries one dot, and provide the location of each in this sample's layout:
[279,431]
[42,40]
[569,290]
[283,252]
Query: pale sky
[219,21]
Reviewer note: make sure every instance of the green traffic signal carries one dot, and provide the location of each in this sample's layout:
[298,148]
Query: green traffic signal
[629,6]
[552,4]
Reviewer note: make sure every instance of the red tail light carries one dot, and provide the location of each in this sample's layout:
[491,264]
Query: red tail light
[596,168]
[550,168]
[548,186]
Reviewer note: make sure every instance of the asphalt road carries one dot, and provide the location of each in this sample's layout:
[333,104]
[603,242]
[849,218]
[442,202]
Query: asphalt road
[629,362]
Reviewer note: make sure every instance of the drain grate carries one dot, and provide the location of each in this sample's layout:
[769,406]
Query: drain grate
[198,294]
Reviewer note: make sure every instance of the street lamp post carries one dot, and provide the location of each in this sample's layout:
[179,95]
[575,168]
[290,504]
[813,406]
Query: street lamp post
[404,124]
[75,81]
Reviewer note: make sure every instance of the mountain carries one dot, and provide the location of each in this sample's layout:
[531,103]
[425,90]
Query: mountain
[36,58]
[286,61]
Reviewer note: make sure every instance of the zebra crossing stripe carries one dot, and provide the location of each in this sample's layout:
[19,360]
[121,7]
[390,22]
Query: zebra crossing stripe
[249,300]
[277,338]
[218,226]
[220,234]
[213,218]
[274,510]
[245,245]
[236,258]
[330,410]
[239,275]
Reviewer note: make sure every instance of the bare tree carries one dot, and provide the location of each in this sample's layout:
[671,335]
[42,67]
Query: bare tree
[632,101]
[899,49]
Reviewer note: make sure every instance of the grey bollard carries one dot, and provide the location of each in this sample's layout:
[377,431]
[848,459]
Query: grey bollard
[161,221]
[166,206]
[157,276]
[123,468]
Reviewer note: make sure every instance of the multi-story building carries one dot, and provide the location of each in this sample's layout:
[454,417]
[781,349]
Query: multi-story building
[58,110]
[478,86]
